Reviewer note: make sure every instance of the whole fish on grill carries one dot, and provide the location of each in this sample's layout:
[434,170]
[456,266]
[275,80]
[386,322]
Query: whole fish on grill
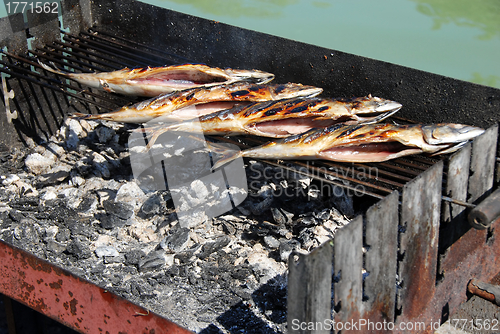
[364,143]
[195,102]
[153,81]
[279,119]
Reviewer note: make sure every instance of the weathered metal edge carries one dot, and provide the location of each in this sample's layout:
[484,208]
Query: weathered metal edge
[71,300]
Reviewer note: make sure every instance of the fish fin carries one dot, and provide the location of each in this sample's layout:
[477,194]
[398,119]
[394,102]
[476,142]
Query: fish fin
[153,136]
[378,118]
[450,149]
[229,156]
[219,148]
[52,69]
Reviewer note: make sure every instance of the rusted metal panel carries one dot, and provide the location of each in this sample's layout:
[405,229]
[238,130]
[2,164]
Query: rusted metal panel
[457,178]
[348,265]
[483,163]
[453,216]
[420,217]
[381,260]
[310,290]
[71,300]
[474,255]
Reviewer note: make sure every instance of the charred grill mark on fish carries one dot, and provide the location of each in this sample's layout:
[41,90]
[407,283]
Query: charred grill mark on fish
[191,103]
[282,118]
[363,143]
[240,93]
[152,81]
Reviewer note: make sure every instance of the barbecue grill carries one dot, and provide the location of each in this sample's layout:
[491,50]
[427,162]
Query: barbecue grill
[419,250]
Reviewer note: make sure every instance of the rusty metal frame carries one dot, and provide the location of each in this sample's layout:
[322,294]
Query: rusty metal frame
[427,249]
[71,300]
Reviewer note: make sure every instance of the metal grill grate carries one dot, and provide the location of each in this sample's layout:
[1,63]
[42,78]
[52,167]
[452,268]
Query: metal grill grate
[95,51]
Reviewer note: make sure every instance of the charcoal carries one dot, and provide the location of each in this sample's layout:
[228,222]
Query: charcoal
[278,216]
[260,230]
[173,271]
[79,227]
[176,241]
[241,292]
[87,203]
[38,164]
[25,204]
[26,231]
[108,251]
[133,257]
[104,134]
[308,220]
[323,215]
[79,249]
[262,206]
[114,259]
[131,194]
[16,215]
[5,220]
[109,222]
[229,228]
[150,207]
[10,179]
[187,256]
[211,247]
[60,212]
[286,248]
[216,267]
[241,272]
[271,242]
[153,260]
[73,131]
[120,210]
[50,232]
[52,178]
[55,247]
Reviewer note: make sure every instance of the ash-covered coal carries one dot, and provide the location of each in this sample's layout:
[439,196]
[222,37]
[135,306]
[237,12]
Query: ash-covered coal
[75,202]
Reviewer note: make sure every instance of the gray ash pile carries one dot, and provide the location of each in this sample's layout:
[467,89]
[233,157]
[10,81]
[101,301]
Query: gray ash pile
[74,201]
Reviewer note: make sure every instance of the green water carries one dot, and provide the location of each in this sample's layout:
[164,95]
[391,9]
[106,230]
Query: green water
[456,38]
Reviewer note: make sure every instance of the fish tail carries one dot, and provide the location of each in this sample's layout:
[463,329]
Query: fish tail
[226,158]
[52,69]
[79,115]
[378,118]
[153,136]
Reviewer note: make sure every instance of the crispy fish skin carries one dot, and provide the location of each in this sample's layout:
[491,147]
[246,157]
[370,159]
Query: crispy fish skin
[364,142]
[153,81]
[172,107]
[279,119]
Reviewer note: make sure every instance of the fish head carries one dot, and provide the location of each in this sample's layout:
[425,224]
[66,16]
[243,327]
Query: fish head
[372,109]
[436,134]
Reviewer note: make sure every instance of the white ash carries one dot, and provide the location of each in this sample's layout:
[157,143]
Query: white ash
[74,201]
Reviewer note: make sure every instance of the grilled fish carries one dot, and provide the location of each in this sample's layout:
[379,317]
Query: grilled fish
[153,81]
[364,143]
[195,102]
[279,119]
